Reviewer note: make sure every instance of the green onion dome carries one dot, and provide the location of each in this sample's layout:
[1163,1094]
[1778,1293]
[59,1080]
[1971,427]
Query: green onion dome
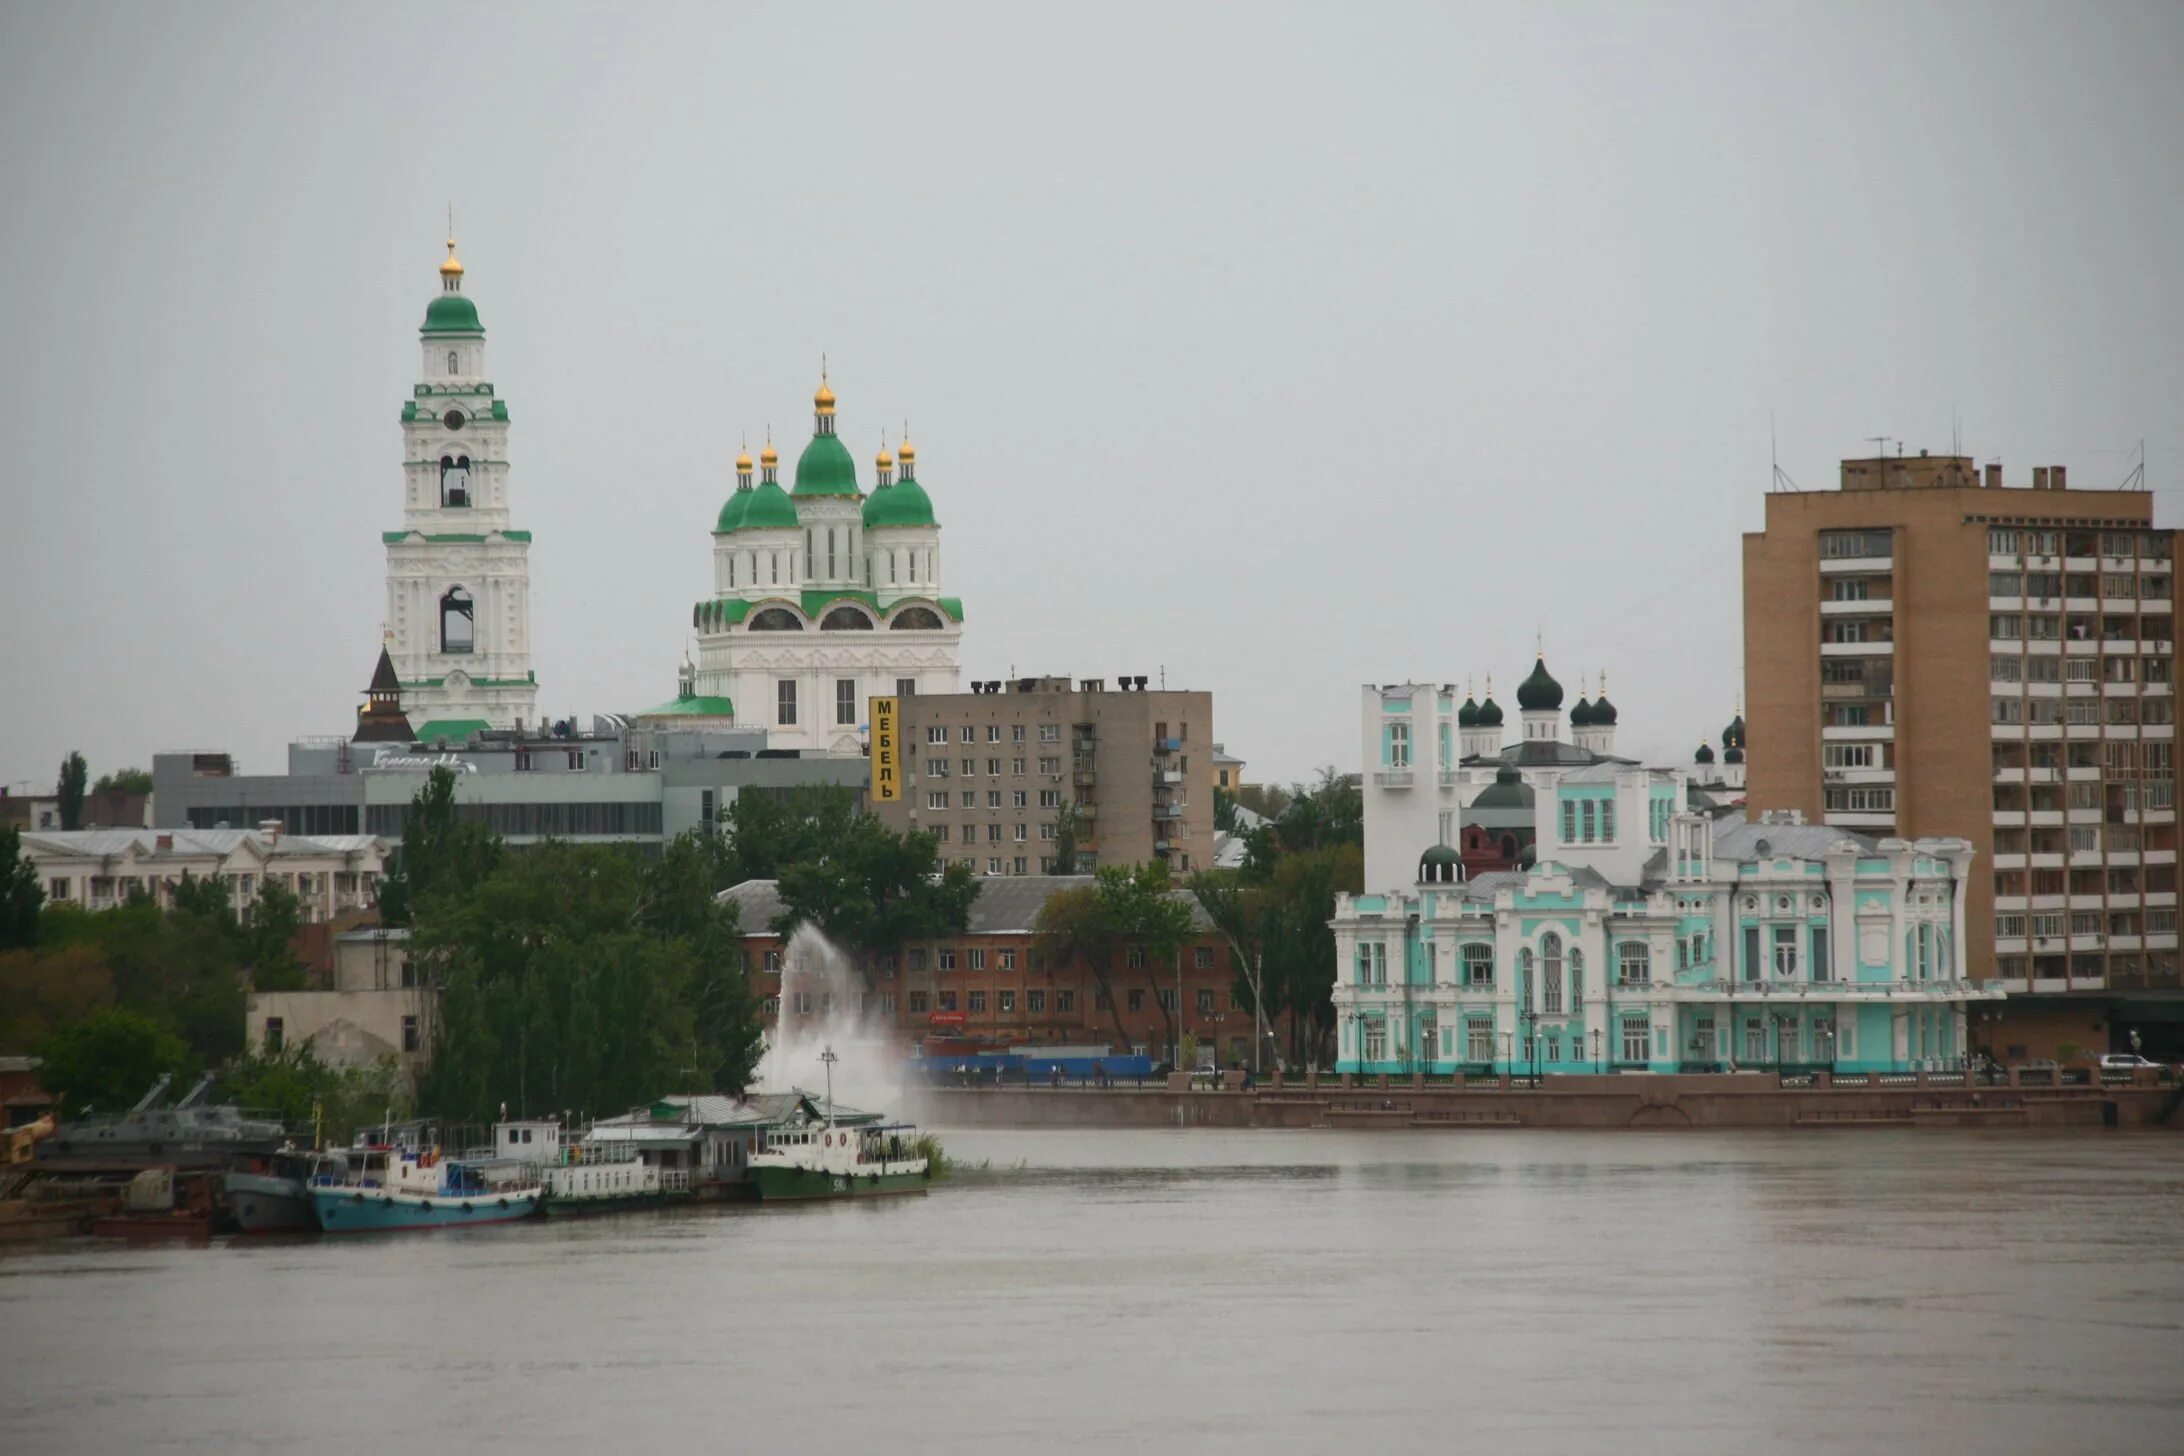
[1540,693]
[1468,715]
[451,313]
[770,509]
[1490,713]
[904,503]
[733,511]
[1705,753]
[1603,712]
[1581,716]
[1733,735]
[825,468]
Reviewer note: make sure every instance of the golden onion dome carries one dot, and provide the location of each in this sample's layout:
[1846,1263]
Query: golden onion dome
[823,401]
[768,456]
[885,461]
[743,462]
[908,453]
[453,267]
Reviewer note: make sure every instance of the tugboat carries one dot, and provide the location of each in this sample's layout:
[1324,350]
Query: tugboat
[388,1186]
[826,1161]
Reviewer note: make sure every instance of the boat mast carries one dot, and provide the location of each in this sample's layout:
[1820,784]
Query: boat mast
[827,1058]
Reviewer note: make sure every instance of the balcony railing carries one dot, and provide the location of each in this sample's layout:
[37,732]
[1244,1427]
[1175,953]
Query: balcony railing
[1393,778]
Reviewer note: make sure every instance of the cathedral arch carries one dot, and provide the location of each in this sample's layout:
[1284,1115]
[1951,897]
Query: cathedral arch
[845,619]
[916,619]
[776,619]
[458,621]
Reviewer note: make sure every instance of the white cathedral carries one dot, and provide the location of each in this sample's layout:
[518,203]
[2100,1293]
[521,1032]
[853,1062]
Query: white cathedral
[458,575]
[823,598]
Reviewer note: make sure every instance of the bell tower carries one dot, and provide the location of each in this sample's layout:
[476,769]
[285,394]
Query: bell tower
[458,574]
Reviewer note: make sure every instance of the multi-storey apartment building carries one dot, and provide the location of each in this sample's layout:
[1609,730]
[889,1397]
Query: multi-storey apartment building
[1931,652]
[992,774]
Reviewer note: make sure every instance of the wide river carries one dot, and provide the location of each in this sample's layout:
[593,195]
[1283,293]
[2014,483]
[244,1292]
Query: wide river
[1190,1291]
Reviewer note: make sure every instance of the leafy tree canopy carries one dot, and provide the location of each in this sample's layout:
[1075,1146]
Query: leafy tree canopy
[124,781]
[108,1060]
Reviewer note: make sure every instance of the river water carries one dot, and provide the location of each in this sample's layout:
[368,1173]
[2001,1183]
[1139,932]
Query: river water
[1208,1291]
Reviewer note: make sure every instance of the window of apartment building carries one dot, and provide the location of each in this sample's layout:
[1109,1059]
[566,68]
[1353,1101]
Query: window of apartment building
[2005,626]
[1849,545]
[1398,744]
[1050,798]
[993,834]
[1008,1001]
[773,960]
[936,768]
[978,1001]
[1636,1033]
[2005,584]
[934,733]
[2044,627]
[2009,927]
[1050,732]
[1202,957]
[845,700]
[2043,669]
[1065,1002]
[977,960]
[2001,541]
[969,767]
[785,701]
[967,734]
[275,1033]
[993,732]
[2118,588]
[993,798]
[2002,668]
[1137,999]
[970,834]
[2007,710]
[906,687]
[1016,767]
[947,1000]
[2047,925]
[1020,833]
[1205,1003]
[410,1038]
[940,833]
[1168,1000]
[1035,1002]
[993,865]
[1849,588]
[1849,755]
[1016,733]
[993,767]
[947,959]
[936,798]
[1049,831]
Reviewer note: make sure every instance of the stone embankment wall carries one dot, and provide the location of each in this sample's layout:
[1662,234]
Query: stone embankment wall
[1634,1101]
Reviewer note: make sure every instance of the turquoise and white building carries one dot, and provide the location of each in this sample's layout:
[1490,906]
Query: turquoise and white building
[1650,932]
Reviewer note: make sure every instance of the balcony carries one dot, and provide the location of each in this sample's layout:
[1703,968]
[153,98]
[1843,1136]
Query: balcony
[1167,776]
[1858,733]
[1857,565]
[1167,745]
[1857,649]
[1865,607]
[1386,778]
[1167,811]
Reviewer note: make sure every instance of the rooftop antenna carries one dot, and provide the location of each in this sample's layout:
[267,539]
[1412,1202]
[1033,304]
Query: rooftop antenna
[1956,432]
[1782,480]
[2136,480]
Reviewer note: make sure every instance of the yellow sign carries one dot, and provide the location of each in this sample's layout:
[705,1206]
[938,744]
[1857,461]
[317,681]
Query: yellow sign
[886,758]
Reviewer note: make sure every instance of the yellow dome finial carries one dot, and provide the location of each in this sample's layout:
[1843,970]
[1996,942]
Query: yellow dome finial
[451,269]
[743,458]
[823,401]
[768,457]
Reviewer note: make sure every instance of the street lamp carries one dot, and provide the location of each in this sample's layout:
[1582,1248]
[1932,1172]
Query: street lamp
[1598,1065]
[1505,1050]
[1530,1018]
[1357,1040]
[2134,1041]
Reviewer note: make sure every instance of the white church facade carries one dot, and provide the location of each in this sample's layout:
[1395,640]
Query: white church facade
[824,597]
[458,572]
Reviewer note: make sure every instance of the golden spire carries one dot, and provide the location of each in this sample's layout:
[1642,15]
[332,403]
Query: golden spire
[452,269]
[823,401]
[884,460]
[908,453]
[743,461]
[768,457]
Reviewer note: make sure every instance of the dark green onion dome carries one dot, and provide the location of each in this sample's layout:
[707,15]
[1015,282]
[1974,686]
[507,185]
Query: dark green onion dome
[1506,792]
[1705,753]
[1490,713]
[1733,735]
[1440,854]
[451,313]
[1733,755]
[770,509]
[1468,715]
[902,504]
[1603,712]
[1540,693]
[1440,865]
[1581,716]
[732,513]
[825,468]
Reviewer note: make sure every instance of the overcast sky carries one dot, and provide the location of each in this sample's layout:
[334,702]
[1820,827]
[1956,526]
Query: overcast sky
[1280,348]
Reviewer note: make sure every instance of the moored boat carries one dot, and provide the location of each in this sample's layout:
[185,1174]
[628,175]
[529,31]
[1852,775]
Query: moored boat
[381,1189]
[272,1195]
[817,1158]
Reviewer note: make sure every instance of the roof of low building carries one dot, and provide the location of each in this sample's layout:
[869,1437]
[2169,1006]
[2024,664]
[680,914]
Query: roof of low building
[190,843]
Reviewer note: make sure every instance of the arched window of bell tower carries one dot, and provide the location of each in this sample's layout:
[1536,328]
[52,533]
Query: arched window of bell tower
[454,480]
[458,622]
[454,362]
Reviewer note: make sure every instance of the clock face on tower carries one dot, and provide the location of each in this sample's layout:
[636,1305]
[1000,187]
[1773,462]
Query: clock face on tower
[453,419]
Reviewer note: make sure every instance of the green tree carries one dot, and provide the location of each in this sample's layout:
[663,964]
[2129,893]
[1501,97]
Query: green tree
[1266,800]
[1124,907]
[555,994]
[21,896]
[764,833]
[124,781]
[46,988]
[268,942]
[182,968]
[299,1088]
[1224,811]
[441,853]
[1068,827]
[1243,914]
[681,905]
[70,788]
[875,891]
[106,1061]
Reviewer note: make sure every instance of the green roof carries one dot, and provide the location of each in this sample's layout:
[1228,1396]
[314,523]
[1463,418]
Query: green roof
[695,705]
[732,510]
[901,504]
[825,468]
[451,313]
[454,730]
[769,510]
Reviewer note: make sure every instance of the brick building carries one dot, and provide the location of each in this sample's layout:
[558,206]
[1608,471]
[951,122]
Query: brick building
[989,773]
[1929,652]
[996,983]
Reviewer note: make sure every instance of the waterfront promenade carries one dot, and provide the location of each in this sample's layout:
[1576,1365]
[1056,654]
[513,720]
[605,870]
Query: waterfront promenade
[1636,1101]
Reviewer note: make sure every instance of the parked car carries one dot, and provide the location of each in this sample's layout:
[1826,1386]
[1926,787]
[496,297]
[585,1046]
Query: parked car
[2127,1062]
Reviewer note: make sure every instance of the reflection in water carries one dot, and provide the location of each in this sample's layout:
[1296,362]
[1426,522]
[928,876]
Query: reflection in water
[1207,1290]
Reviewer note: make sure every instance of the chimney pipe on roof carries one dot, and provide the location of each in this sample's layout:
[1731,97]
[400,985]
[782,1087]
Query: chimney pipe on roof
[2039,477]
[1994,475]
[2057,474]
